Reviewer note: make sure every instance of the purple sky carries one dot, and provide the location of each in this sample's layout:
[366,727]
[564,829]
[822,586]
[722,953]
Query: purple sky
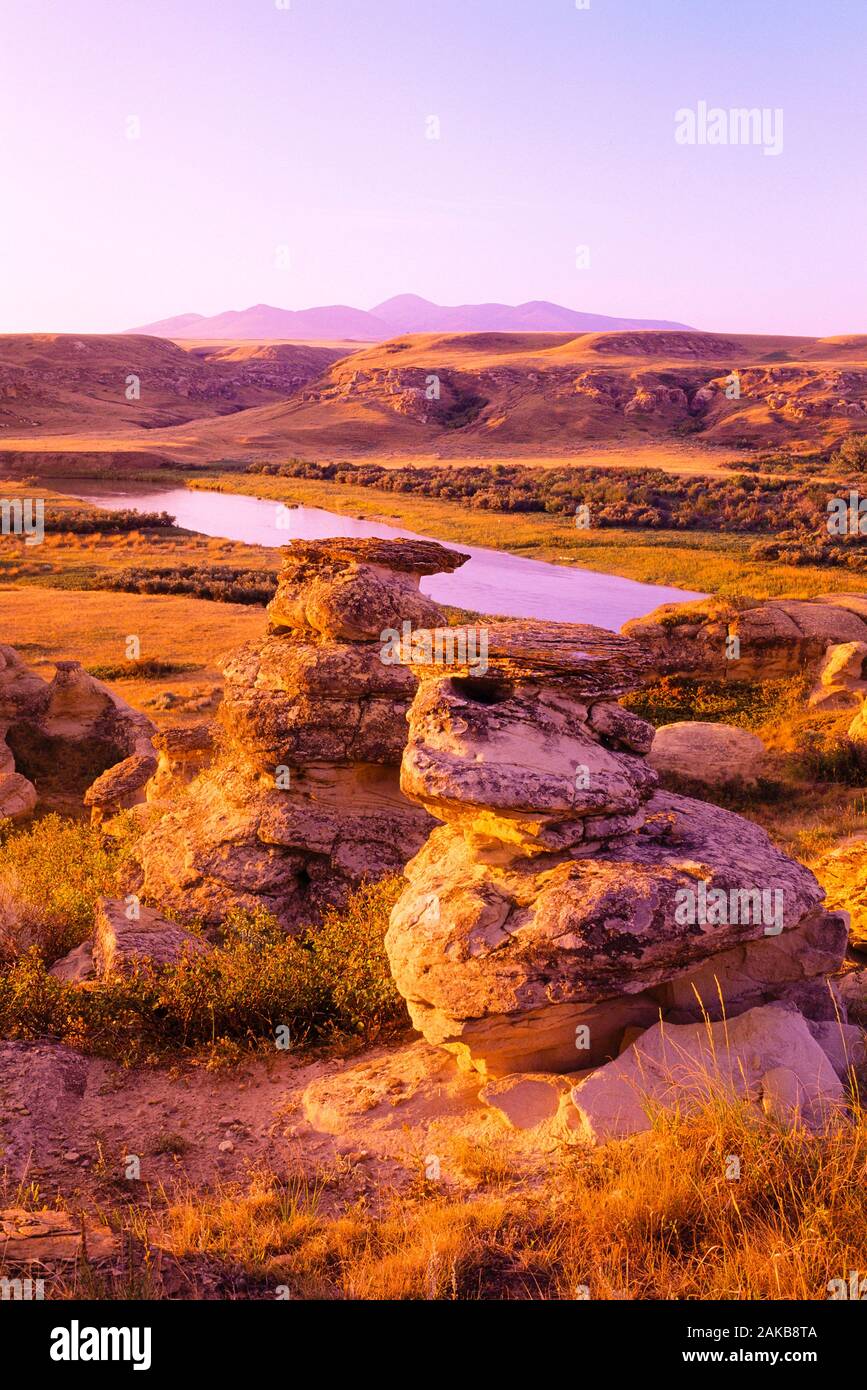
[305,128]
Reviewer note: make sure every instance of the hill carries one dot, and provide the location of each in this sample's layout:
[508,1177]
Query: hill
[436,395]
[503,394]
[406,313]
[63,383]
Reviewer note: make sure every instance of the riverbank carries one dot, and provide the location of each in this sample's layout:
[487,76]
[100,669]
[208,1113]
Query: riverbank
[699,560]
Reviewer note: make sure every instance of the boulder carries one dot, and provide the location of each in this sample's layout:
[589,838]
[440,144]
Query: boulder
[840,682]
[766,1056]
[22,692]
[857,730]
[30,1237]
[716,755]
[77,965]
[844,1045]
[122,944]
[17,796]
[350,590]
[853,991]
[540,964]
[518,763]
[842,871]
[57,735]
[121,787]
[183,752]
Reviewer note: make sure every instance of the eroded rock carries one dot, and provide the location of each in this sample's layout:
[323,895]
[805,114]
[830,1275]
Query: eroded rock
[122,943]
[565,901]
[121,787]
[842,871]
[749,640]
[715,755]
[63,736]
[767,1056]
[840,682]
[303,802]
[183,753]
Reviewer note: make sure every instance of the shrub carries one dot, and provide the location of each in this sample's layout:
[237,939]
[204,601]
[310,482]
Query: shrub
[142,669]
[852,453]
[645,498]
[86,521]
[221,582]
[51,875]
[743,704]
[331,982]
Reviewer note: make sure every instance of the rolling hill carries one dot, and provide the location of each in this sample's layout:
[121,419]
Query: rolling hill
[503,394]
[492,395]
[64,383]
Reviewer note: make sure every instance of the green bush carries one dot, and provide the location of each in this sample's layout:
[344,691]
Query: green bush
[51,875]
[748,706]
[332,982]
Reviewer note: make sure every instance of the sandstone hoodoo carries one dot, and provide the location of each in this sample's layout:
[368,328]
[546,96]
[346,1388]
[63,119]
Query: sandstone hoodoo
[566,899]
[303,801]
[69,740]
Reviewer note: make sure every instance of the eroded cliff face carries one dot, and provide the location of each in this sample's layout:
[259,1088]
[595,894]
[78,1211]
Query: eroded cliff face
[749,640]
[566,899]
[303,799]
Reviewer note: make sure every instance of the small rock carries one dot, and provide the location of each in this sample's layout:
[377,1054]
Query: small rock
[525,1101]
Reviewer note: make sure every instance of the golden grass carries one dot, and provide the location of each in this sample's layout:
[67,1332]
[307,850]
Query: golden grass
[656,1217]
[46,626]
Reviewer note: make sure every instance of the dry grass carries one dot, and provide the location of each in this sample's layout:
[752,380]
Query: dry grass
[655,1217]
[49,626]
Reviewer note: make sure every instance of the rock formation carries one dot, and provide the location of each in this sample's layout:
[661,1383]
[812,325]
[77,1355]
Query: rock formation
[715,755]
[57,736]
[840,682]
[767,1055]
[184,752]
[842,871]
[303,799]
[122,941]
[776,638]
[565,900]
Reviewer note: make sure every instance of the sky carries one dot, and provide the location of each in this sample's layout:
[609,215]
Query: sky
[165,156]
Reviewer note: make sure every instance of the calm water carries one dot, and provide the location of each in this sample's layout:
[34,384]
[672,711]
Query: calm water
[492,581]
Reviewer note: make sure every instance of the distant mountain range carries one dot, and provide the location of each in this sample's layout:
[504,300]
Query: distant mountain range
[405,313]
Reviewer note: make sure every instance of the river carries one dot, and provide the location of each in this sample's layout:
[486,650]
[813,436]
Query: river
[493,582]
